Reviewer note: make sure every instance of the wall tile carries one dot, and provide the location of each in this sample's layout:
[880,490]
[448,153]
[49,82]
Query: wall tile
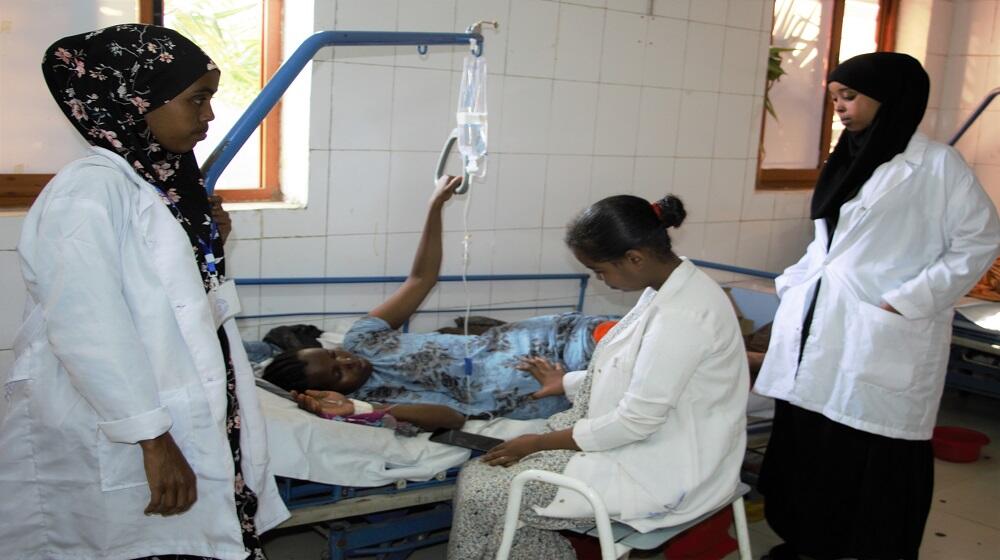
[516,251]
[787,244]
[659,116]
[989,177]
[973,22]
[520,190]
[688,240]
[691,184]
[308,221]
[757,205]
[567,189]
[709,11]
[427,15]
[532,38]
[480,252]
[721,240]
[421,113]
[10,231]
[663,61]
[697,124]
[410,188]
[246,223]
[725,193]
[578,53]
[525,123]
[362,107]
[14,297]
[624,42]
[755,240]
[617,120]
[292,257]
[740,61]
[935,66]
[354,255]
[572,118]
[591,3]
[735,117]
[243,258]
[556,258]
[789,205]
[324,15]
[653,177]
[366,15]
[633,6]
[988,148]
[965,81]
[949,121]
[745,13]
[703,56]
[942,14]
[611,176]
[672,8]
[319,105]
[358,192]
[399,251]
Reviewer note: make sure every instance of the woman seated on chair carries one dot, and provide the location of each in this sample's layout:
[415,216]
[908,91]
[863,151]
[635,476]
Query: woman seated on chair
[481,375]
[657,426]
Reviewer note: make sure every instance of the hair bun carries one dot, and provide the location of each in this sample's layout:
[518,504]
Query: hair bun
[670,210]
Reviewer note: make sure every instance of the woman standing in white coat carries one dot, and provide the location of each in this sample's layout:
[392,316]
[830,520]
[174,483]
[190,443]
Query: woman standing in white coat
[657,426]
[860,341]
[130,426]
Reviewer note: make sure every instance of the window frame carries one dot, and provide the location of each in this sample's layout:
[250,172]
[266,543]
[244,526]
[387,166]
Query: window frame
[784,179]
[151,11]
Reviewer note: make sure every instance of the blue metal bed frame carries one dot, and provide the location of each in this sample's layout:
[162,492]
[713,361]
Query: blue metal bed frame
[393,520]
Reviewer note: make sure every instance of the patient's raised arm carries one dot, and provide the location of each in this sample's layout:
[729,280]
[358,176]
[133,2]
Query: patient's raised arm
[426,263]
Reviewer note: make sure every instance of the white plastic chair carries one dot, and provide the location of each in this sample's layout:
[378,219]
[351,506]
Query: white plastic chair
[617,539]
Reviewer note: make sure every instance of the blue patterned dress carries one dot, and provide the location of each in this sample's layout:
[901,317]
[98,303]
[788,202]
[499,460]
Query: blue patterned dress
[431,367]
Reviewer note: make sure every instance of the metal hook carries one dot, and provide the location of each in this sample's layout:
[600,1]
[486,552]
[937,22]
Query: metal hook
[422,49]
[476,46]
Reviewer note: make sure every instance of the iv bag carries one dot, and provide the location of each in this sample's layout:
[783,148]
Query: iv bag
[471,115]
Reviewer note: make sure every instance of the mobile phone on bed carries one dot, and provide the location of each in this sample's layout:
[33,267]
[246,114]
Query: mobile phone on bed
[467,440]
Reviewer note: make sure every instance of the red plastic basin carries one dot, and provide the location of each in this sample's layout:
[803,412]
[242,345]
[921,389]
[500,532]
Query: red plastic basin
[958,445]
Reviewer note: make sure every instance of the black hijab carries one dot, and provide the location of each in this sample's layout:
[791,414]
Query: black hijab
[901,85]
[106,80]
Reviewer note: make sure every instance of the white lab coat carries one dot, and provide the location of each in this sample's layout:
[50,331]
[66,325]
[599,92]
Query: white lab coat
[918,236]
[665,433]
[118,345]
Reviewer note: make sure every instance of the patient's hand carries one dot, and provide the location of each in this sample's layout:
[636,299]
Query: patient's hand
[548,374]
[327,404]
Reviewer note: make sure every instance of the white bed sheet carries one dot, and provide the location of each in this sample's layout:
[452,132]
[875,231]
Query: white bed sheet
[307,447]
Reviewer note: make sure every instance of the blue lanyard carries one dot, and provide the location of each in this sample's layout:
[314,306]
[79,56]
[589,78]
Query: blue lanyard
[206,248]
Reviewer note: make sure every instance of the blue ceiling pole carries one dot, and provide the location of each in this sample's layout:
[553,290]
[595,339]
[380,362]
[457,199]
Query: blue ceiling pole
[275,88]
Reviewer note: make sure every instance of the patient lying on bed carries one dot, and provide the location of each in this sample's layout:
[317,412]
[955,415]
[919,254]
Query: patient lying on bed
[380,363]
[475,375]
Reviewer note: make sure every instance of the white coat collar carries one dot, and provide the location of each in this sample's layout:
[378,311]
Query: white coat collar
[886,177]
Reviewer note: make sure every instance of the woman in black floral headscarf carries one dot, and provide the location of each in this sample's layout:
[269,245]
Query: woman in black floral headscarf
[122,245]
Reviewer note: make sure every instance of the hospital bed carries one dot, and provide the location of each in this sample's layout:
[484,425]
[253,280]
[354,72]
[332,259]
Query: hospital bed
[374,492]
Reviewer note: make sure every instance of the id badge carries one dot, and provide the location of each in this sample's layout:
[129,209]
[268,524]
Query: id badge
[225,302]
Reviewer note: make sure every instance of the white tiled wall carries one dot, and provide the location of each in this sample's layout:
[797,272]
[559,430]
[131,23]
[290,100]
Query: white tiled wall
[959,43]
[587,98]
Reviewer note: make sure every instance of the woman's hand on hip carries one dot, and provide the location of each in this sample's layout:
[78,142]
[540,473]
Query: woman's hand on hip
[549,375]
[512,451]
[173,487]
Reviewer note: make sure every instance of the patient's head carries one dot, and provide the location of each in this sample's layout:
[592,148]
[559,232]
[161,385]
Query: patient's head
[318,368]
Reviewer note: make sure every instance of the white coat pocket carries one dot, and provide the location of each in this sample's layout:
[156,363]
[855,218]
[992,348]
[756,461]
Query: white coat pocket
[122,465]
[885,349]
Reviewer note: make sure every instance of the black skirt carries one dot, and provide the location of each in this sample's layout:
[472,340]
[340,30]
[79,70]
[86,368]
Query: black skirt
[831,491]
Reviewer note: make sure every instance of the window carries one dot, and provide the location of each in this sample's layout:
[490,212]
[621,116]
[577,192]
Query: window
[243,37]
[821,33]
